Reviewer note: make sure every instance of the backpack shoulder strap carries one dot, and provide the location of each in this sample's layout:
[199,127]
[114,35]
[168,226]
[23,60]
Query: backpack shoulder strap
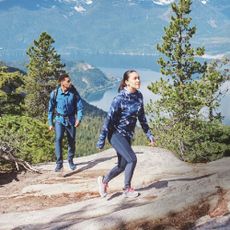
[55,95]
[76,96]
[75,92]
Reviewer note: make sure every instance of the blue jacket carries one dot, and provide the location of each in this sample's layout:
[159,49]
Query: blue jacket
[122,116]
[68,107]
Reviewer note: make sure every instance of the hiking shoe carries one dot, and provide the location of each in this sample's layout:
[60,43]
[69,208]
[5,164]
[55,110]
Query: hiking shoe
[58,168]
[130,193]
[102,187]
[72,166]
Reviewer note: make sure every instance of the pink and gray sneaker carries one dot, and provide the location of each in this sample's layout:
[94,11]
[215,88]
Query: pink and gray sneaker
[102,187]
[130,193]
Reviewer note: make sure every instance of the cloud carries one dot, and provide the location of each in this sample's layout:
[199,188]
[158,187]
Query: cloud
[204,1]
[163,2]
[167,2]
[166,15]
[88,2]
[69,1]
[79,9]
[213,56]
[212,23]
[217,40]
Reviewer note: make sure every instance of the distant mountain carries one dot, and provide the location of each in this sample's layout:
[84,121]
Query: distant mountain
[89,110]
[11,69]
[100,27]
[92,111]
[89,79]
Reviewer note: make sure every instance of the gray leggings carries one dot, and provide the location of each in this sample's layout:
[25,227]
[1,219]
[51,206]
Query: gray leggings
[126,159]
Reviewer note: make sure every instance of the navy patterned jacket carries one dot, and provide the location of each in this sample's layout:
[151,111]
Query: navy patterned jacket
[126,107]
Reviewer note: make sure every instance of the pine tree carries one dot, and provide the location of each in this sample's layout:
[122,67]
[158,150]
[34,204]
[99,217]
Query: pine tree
[43,70]
[180,97]
[188,94]
[216,75]
[11,97]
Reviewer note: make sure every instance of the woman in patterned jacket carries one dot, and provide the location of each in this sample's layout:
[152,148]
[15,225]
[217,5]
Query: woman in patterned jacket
[119,127]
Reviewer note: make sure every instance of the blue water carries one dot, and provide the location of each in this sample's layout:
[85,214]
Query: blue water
[148,76]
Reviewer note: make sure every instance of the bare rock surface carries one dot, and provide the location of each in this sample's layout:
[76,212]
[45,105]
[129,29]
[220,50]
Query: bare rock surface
[173,195]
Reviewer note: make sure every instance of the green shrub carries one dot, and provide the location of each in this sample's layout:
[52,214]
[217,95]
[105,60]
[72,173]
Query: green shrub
[31,138]
[87,135]
[200,141]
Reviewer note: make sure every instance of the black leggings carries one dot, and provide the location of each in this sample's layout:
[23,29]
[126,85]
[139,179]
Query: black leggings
[126,159]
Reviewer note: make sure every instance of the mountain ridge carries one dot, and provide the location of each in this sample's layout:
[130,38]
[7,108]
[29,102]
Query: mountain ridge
[114,27]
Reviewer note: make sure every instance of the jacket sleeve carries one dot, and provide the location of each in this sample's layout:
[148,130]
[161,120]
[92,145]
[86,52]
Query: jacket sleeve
[110,121]
[51,108]
[143,121]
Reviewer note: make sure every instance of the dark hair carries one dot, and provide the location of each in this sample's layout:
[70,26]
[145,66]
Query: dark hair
[125,78]
[62,77]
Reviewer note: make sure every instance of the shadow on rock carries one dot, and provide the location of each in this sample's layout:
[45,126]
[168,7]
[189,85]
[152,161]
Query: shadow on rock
[89,164]
[193,178]
[117,194]
[164,183]
[6,178]
[157,185]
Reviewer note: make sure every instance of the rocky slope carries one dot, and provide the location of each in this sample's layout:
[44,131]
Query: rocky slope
[173,195]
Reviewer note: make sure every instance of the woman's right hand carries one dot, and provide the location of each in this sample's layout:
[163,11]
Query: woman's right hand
[152,142]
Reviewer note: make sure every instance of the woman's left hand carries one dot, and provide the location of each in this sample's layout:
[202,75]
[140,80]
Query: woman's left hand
[152,143]
[77,123]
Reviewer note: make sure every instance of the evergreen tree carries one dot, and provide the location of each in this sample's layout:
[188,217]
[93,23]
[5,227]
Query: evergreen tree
[188,87]
[11,97]
[43,70]
[181,96]
[216,75]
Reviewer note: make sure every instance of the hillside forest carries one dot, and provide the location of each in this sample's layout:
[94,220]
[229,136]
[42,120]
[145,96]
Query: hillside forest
[184,119]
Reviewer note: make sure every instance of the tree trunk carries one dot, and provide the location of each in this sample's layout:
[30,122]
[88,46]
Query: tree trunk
[7,154]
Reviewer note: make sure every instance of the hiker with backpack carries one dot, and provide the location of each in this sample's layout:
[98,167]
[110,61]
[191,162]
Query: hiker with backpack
[65,102]
[119,127]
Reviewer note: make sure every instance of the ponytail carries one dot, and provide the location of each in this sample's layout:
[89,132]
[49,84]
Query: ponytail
[122,85]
